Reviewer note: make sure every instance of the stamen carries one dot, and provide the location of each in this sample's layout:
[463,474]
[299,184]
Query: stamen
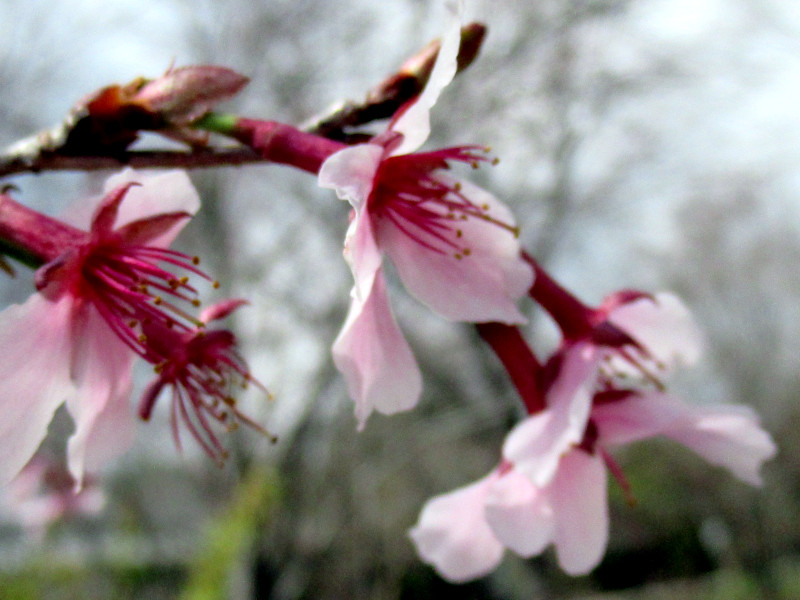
[616,473]
[411,192]
[202,367]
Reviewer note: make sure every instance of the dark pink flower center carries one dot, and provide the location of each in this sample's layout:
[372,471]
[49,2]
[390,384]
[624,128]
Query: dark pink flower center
[203,370]
[426,205]
[129,286]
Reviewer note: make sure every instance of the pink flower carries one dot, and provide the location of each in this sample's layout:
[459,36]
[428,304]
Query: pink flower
[75,340]
[453,244]
[463,534]
[551,485]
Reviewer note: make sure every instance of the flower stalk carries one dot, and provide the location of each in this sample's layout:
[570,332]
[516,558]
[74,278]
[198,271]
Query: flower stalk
[519,361]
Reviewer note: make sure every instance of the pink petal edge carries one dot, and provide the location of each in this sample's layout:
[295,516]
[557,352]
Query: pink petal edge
[35,376]
[520,514]
[536,445]
[414,123]
[104,421]
[374,357]
[453,536]
[580,498]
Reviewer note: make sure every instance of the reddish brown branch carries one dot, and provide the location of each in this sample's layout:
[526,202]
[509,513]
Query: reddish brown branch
[51,150]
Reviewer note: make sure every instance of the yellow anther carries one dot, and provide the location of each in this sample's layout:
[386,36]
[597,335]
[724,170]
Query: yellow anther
[157,300]
[487,149]
[142,338]
[215,285]
[457,187]
[484,206]
[495,161]
[467,251]
[459,233]
[474,164]
[458,256]
[195,302]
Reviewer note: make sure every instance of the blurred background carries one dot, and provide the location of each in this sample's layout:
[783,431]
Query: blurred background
[649,144]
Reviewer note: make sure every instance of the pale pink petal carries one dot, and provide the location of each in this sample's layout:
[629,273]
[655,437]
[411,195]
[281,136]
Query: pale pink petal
[519,514]
[362,254]
[160,193]
[34,376]
[453,536]
[729,437]
[725,435]
[664,326]
[536,445]
[164,192]
[480,285]
[101,370]
[578,494]
[374,357]
[351,172]
[414,123]
[639,416]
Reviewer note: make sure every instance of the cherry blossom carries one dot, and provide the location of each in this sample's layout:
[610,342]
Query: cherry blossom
[74,341]
[453,244]
[550,487]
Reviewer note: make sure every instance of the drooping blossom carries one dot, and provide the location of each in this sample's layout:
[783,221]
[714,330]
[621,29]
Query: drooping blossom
[529,521]
[44,493]
[453,244]
[74,341]
[550,487]
[202,369]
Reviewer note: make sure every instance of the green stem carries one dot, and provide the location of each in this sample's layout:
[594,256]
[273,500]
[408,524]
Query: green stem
[217,123]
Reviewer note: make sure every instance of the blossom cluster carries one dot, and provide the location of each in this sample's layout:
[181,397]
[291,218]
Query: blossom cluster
[110,290]
[455,248]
